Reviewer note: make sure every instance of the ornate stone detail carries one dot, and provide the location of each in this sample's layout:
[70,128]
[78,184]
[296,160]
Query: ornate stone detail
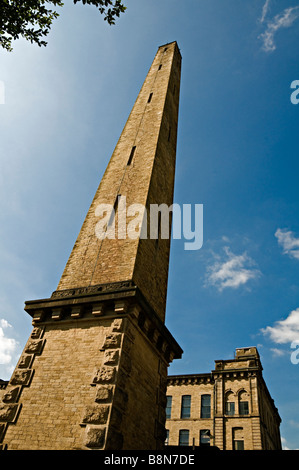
[11,395]
[34,347]
[8,412]
[97,414]
[25,361]
[36,332]
[112,286]
[21,377]
[95,436]
[111,356]
[105,375]
[117,324]
[104,394]
[112,340]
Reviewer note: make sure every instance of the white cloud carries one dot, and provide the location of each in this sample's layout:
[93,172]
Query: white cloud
[289,243]
[277,352]
[284,331]
[284,443]
[284,19]
[265,10]
[8,345]
[235,271]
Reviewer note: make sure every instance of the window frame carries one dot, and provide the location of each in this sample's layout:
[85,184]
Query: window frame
[203,408]
[185,409]
[181,431]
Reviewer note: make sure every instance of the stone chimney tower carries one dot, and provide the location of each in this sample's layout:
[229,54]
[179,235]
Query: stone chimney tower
[93,372]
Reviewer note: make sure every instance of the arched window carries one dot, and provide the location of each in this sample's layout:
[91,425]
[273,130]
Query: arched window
[243,399]
[230,403]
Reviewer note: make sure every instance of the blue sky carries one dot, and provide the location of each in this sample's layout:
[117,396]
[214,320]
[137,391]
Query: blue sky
[63,110]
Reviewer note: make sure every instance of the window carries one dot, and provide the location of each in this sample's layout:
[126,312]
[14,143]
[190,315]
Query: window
[243,408]
[205,406]
[169,134]
[168,407]
[204,437]
[160,66]
[131,155]
[239,445]
[150,98]
[243,402]
[230,403]
[230,408]
[238,439]
[167,437]
[184,437]
[186,406]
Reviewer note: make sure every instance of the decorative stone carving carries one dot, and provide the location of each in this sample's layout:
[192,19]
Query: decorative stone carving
[111,356]
[117,324]
[105,375]
[97,414]
[112,286]
[112,340]
[8,412]
[25,361]
[34,347]
[104,394]
[21,377]
[36,332]
[95,436]
[11,395]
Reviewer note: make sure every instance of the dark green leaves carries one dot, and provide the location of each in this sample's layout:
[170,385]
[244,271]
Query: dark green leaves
[32,19]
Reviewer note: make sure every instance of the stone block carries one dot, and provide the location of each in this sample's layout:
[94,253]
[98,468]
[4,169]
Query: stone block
[97,414]
[95,436]
[105,375]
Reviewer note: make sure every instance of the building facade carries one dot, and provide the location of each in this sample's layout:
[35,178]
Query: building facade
[93,373]
[230,407]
